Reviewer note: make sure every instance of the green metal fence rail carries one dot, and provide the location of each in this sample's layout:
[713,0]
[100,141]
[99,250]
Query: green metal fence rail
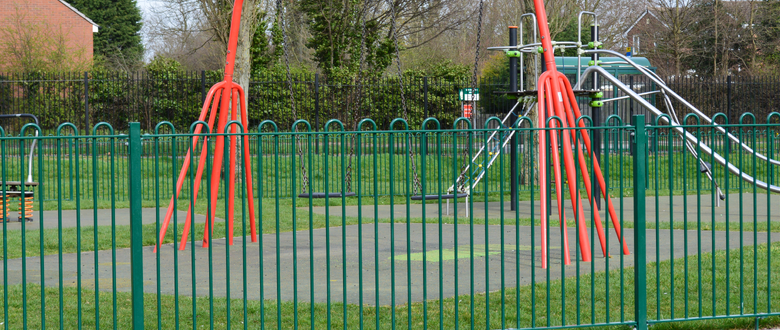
[381,259]
[662,147]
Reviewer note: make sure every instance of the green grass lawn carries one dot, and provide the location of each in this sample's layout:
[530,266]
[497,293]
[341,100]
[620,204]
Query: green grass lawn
[103,176]
[603,297]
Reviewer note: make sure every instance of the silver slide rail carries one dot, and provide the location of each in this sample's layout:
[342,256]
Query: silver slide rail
[690,137]
[679,98]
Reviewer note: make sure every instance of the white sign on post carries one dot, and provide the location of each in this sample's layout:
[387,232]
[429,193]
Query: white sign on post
[469,94]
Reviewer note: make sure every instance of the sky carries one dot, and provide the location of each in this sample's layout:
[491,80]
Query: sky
[145,5]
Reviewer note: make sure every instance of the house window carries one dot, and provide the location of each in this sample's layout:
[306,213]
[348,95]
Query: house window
[635,49]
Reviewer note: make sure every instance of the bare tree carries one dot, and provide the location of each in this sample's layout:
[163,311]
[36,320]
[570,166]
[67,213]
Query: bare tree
[218,14]
[679,17]
[615,17]
[178,30]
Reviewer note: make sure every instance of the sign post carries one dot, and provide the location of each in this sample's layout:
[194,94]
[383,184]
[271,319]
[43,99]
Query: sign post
[468,99]
[469,94]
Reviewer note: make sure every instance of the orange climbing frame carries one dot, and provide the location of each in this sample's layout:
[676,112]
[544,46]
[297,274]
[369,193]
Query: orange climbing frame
[558,110]
[225,97]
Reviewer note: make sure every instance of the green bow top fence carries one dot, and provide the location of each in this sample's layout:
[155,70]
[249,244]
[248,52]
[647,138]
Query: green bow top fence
[64,157]
[380,260]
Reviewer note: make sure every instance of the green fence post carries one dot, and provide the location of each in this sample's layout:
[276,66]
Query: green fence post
[136,229]
[640,257]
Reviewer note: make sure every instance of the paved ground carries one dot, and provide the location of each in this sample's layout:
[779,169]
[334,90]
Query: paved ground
[677,208]
[50,219]
[383,260]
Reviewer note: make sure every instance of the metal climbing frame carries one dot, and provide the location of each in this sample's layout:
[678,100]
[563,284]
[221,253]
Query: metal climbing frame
[495,144]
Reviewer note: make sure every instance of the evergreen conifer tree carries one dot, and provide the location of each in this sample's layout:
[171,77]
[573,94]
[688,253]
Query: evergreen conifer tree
[119,36]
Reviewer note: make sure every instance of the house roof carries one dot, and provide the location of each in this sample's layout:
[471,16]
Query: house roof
[94,26]
[647,12]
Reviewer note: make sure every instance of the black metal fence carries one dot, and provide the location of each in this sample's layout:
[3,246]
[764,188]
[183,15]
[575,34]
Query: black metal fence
[119,97]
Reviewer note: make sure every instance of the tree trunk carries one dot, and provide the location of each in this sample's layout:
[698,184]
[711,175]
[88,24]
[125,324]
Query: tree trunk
[754,44]
[246,31]
[243,64]
[715,53]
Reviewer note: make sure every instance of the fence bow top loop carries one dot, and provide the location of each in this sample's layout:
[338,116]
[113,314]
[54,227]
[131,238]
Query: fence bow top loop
[430,120]
[111,128]
[399,120]
[462,120]
[195,124]
[367,121]
[268,122]
[294,127]
[64,125]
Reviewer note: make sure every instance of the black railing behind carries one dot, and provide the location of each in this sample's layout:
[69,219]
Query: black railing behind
[119,97]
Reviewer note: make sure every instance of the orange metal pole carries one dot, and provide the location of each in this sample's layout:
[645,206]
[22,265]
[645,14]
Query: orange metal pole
[596,168]
[219,96]
[232,177]
[248,164]
[554,93]
[219,155]
[568,158]
[541,118]
[557,173]
[216,89]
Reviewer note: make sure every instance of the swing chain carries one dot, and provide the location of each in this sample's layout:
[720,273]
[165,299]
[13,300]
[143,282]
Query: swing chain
[398,58]
[305,178]
[476,56]
[466,157]
[463,168]
[417,184]
[280,15]
[359,85]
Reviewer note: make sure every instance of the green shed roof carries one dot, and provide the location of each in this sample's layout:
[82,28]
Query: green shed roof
[568,65]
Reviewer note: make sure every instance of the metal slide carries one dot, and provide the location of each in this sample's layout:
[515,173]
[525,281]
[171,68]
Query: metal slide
[475,170]
[704,167]
[688,136]
[687,104]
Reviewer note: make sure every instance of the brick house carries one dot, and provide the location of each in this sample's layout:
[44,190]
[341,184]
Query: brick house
[55,17]
[647,30]
[643,34]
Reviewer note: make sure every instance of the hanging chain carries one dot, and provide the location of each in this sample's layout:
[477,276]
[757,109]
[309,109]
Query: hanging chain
[476,56]
[417,183]
[398,58]
[280,15]
[359,85]
[474,102]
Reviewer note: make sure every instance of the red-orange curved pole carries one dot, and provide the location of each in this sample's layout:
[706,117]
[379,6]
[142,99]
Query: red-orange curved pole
[542,136]
[575,113]
[250,194]
[554,154]
[219,97]
[216,89]
[551,93]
